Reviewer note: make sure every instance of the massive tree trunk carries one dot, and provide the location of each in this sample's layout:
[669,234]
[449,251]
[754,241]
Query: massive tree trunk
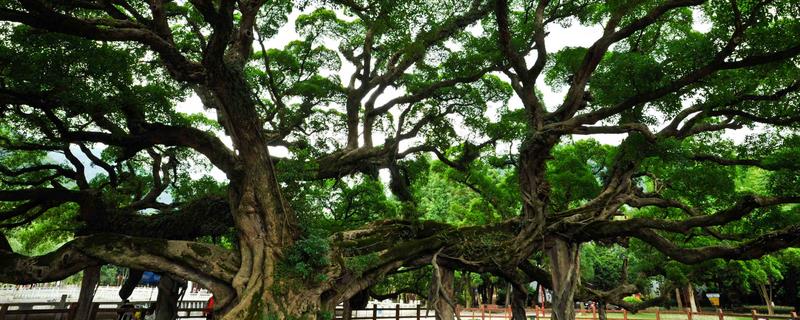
[565,272]
[678,298]
[260,292]
[265,223]
[91,276]
[262,219]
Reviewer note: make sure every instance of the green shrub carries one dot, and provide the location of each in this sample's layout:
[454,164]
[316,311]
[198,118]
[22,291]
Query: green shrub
[632,299]
[306,256]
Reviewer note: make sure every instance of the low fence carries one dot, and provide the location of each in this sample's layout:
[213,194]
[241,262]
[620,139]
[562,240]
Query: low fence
[492,312]
[194,310]
[99,310]
[687,314]
[385,312]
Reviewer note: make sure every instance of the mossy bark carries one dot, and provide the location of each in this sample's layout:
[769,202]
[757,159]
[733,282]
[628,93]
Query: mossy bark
[444,295]
[565,272]
[280,301]
[265,223]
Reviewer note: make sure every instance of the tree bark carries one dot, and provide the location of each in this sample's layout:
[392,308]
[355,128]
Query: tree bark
[91,276]
[468,291]
[508,295]
[690,297]
[168,295]
[265,223]
[353,108]
[518,302]
[601,310]
[762,290]
[347,310]
[565,273]
[678,298]
[443,296]
[127,287]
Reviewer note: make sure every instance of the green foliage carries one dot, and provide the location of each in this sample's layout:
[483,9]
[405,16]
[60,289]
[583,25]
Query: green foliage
[306,257]
[50,230]
[562,65]
[757,272]
[632,299]
[359,264]
[601,267]
[481,195]
[342,204]
[575,174]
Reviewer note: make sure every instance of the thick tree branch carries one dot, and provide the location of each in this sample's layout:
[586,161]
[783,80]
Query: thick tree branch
[760,163]
[155,134]
[616,228]
[57,265]
[751,249]
[575,95]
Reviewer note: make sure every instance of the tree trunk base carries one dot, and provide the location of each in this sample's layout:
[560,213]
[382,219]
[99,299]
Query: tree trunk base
[565,272]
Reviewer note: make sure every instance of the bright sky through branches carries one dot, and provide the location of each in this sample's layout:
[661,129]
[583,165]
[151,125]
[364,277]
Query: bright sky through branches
[559,37]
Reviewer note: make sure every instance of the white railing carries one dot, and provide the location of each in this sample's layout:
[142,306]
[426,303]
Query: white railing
[14,294]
